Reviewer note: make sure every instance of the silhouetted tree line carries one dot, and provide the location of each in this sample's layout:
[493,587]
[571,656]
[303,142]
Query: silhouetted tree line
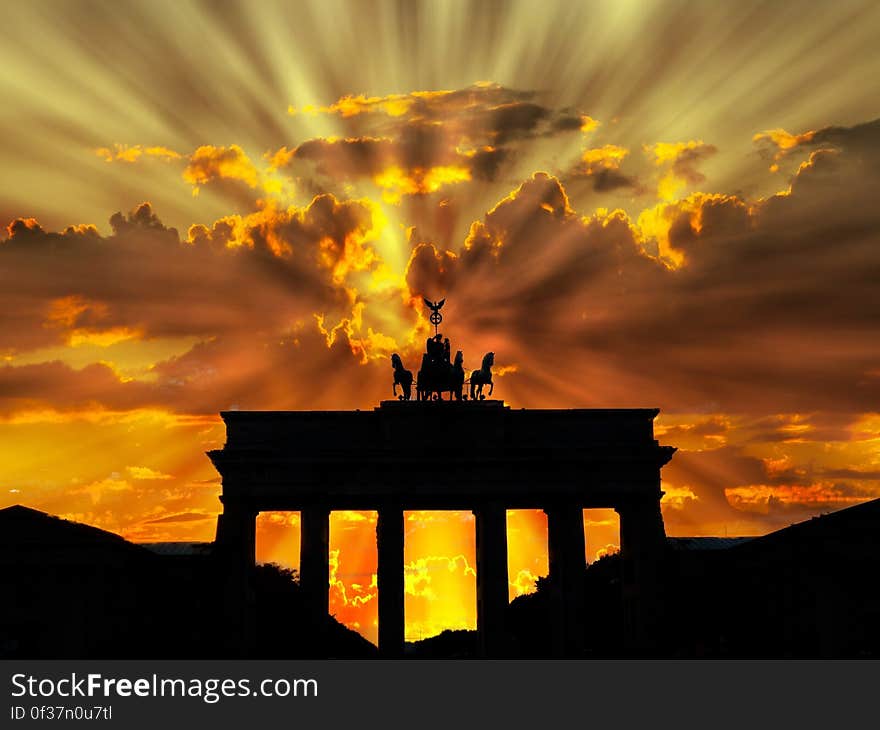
[160,607]
[808,591]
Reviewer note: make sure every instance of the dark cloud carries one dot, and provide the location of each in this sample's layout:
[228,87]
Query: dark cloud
[774,306]
[141,219]
[259,371]
[861,141]
[515,120]
[58,386]
[355,156]
[476,129]
[685,163]
[568,121]
[284,267]
[486,163]
[430,270]
[608,179]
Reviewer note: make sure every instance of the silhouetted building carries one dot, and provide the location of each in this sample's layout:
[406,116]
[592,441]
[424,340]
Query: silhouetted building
[463,455]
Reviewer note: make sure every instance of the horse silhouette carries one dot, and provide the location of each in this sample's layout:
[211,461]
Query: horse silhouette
[482,377]
[402,377]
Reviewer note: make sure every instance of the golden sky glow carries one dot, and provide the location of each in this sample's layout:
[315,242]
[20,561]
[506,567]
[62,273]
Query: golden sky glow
[630,203]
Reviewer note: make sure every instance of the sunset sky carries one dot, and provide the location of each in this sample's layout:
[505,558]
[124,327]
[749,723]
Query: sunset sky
[633,204]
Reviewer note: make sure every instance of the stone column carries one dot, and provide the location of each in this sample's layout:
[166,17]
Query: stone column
[565,547]
[236,549]
[314,560]
[642,547]
[492,582]
[389,544]
[236,534]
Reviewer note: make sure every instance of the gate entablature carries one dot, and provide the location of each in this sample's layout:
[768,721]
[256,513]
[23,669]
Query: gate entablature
[440,455]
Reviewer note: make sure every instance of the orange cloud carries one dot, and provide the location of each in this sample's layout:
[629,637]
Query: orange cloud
[65,311]
[859,141]
[419,574]
[22,226]
[81,318]
[132,153]
[422,161]
[394,105]
[760,497]
[784,143]
[396,182]
[655,225]
[523,583]
[602,164]
[422,103]
[333,234]
[607,157]
[364,342]
[145,472]
[679,160]
[609,549]
[209,163]
[677,497]
[102,337]
[588,124]
[693,432]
